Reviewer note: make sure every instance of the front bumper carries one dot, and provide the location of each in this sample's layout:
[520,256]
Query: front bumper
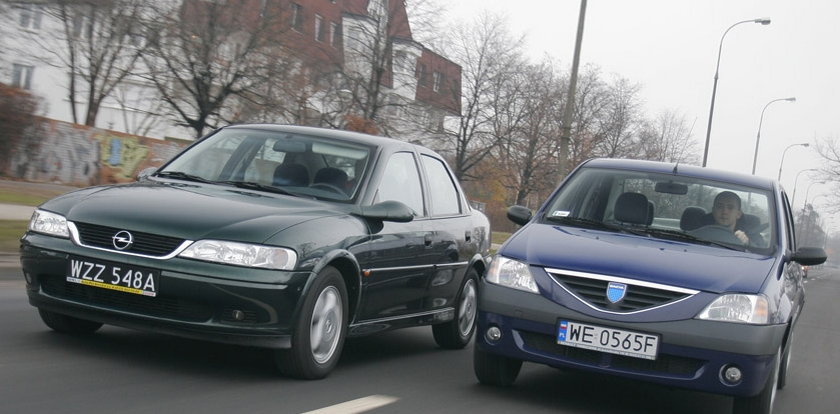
[196,300]
[692,353]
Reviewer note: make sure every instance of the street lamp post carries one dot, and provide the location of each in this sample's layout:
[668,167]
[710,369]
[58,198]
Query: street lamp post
[762,21]
[760,121]
[779,178]
[809,190]
[795,183]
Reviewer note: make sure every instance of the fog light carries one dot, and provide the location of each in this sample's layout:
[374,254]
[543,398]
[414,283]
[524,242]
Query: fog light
[28,277]
[238,315]
[493,334]
[732,375]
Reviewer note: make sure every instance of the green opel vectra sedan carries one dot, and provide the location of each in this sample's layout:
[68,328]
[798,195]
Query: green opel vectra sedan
[290,238]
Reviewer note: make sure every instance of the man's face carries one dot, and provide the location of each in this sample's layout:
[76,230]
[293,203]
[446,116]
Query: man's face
[726,212]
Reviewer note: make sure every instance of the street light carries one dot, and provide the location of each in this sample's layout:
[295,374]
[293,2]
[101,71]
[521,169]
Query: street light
[795,183]
[807,191]
[762,21]
[779,178]
[758,135]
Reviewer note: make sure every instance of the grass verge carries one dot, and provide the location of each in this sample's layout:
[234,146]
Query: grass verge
[10,234]
[23,199]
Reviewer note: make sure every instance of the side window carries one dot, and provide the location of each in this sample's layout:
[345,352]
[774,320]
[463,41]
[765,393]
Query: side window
[401,182]
[442,191]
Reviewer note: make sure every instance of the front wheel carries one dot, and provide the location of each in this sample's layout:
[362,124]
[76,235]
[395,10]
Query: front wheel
[492,369]
[318,336]
[68,324]
[763,402]
[457,333]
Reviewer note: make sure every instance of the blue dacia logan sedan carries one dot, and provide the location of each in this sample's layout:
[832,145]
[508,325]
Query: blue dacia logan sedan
[672,274]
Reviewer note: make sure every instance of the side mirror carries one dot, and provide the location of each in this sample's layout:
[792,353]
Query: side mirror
[810,256]
[519,214]
[145,173]
[387,211]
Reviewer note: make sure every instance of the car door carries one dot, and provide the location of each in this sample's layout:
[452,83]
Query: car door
[399,261]
[451,229]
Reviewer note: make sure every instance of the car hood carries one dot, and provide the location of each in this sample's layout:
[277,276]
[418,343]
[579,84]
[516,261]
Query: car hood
[692,266]
[190,211]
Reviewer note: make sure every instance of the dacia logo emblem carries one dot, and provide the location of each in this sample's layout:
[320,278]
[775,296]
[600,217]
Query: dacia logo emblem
[616,291]
[122,240]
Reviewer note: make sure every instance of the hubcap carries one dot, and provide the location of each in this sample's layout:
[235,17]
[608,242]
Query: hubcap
[466,310]
[326,325]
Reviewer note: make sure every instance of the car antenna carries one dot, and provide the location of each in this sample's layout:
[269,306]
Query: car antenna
[675,167]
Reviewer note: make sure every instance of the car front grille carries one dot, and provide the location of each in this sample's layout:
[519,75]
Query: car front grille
[636,298]
[144,243]
[663,364]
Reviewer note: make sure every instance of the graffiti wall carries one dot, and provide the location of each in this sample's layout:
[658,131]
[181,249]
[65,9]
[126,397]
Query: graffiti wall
[82,156]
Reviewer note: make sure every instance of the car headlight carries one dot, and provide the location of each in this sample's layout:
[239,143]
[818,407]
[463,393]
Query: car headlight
[49,223]
[511,273]
[738,308]
[242,254]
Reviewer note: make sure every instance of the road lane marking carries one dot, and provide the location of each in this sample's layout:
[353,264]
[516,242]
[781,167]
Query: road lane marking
[360,405]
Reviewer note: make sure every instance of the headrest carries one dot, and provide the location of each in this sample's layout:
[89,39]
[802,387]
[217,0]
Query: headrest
[632,208]
[692,218]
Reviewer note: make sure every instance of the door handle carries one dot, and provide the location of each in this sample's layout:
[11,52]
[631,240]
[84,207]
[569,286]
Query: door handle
[427,239]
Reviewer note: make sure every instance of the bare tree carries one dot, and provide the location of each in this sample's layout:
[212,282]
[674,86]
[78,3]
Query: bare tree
[829,150]
[205,53]
[98,45]
[490,57]
[667,138]
[529,151]
[618,126]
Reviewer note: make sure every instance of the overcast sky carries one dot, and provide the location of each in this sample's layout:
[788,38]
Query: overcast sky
[670,47]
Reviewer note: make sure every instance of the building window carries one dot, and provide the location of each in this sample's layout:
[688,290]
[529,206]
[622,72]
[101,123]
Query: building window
[297,17]
[30,17]
[437,79]
[421,75]
[335,32]
[319,28]
[22,76]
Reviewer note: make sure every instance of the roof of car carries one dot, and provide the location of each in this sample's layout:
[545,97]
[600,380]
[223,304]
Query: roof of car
[685,170]
[375,140]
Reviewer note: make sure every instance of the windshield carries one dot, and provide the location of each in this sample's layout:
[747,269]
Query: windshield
[667,206]
[274,161]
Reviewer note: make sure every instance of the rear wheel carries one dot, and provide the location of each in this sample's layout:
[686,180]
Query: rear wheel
[68,324]
[492,369]
[763,402]
[457,333]
[318,336]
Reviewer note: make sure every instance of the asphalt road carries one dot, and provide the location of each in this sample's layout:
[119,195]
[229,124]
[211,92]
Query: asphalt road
[118,370]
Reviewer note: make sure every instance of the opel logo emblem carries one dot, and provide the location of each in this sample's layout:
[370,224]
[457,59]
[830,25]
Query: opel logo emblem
[122,240]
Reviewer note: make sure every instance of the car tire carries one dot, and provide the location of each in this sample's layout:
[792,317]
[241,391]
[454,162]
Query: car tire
[493,369]
[318,335]
[763,402]
[68,324]
[456,334]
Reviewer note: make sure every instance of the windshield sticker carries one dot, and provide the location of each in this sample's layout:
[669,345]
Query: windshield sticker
[560,213]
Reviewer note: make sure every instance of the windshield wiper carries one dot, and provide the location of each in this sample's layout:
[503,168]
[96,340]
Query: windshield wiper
[250,185]
[180,175]
[584,222]
[688,237]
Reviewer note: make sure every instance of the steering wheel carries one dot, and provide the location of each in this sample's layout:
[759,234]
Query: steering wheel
[718,233]
[328,187]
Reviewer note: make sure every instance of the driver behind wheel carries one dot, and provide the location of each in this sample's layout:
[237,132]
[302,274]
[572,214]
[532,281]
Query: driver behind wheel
[726,211]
